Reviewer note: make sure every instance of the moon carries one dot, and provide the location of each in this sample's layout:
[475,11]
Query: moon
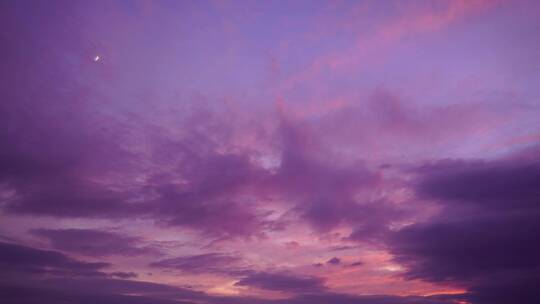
[97,58]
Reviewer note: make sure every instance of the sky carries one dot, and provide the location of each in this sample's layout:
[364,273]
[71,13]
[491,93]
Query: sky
[270,152]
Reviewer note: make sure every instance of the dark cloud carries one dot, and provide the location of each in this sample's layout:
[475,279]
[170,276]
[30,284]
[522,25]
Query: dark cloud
[215,196]
[71,197]
[115,286]
[63,158]
[32,295]
[102,290]
[21,260]
[80,282]
[60,159]
[327,191]
[93,242]
[503,184]
[150,293]
[486,237]
[463,249]
[326,298]
[218,192]
[215,216]
[334,261]
[282,282]
[66,159]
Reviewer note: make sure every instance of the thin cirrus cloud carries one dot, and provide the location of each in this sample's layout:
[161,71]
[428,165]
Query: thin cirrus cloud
[303,152]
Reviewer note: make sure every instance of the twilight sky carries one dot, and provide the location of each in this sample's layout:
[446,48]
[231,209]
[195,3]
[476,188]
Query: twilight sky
[270,152]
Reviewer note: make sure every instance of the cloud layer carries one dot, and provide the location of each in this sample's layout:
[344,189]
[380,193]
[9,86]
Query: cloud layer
[303,152]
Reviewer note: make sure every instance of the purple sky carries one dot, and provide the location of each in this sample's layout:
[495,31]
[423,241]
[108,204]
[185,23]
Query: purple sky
[270,152]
